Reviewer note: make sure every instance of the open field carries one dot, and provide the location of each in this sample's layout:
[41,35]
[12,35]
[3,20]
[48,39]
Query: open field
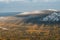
[29,32]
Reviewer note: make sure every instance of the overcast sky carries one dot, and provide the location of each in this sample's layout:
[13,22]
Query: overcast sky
[28,5]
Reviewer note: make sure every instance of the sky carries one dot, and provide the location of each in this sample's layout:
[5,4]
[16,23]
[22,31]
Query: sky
[28,5]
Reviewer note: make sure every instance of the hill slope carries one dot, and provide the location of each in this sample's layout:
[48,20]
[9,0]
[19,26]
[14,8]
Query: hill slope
[31,27]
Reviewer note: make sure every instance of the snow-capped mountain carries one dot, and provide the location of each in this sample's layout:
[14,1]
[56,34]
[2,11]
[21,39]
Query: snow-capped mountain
[48,17]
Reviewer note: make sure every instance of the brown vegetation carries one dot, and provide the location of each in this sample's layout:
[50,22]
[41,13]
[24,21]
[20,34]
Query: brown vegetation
[29,32]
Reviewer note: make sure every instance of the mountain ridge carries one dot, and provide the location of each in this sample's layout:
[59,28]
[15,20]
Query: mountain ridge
[34,17]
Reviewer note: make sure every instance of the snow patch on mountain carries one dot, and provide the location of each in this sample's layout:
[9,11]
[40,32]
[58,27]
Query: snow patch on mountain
[52,17]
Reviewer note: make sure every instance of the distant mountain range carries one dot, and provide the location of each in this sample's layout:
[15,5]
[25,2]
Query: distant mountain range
[9,13]
[35,17]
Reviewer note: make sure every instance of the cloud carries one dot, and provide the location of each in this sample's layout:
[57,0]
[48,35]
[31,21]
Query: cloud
[7,1]
[51,0]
